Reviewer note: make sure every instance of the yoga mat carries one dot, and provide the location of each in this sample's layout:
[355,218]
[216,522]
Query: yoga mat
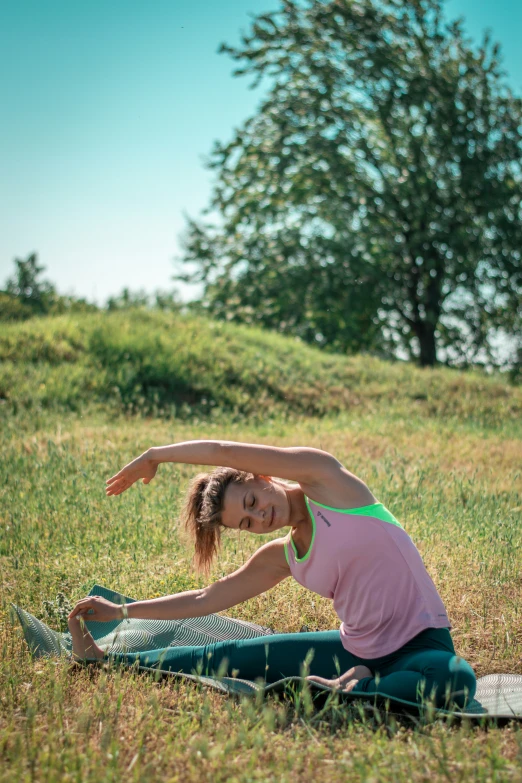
[498,696]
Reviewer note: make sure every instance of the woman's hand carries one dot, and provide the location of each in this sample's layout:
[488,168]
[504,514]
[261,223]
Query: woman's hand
[143,467]
[94,607]
[347,681]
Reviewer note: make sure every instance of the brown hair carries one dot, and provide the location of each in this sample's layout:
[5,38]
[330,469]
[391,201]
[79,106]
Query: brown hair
[202,512]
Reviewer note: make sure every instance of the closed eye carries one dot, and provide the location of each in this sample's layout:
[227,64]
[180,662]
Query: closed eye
[252,504]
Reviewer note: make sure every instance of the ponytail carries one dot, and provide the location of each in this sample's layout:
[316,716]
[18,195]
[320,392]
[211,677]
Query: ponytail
[202,511]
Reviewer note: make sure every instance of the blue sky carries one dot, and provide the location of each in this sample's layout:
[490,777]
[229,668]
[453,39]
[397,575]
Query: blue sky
[109,109]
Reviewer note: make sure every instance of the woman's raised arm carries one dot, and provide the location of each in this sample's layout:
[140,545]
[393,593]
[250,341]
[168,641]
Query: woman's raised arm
[296,463]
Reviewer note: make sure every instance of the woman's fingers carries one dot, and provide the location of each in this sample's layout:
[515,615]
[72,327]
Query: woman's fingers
[117,487]
[123,475]
[140,468]
[81,607]
[118,490]
[95,608]
[116,482]
[113,488]
[114,479]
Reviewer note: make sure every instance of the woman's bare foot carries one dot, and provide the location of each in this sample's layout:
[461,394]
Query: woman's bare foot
[353,676]
[84,646]
[347,681]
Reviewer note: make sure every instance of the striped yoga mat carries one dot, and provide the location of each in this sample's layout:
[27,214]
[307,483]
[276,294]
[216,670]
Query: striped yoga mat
[497,696]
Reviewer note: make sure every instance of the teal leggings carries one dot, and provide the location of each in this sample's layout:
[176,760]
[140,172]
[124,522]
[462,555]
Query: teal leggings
[424,664]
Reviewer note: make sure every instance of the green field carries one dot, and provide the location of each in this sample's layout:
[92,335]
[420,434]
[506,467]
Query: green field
[80,397]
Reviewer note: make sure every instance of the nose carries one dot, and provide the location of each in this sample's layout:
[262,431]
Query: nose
[267,516]
[262,514]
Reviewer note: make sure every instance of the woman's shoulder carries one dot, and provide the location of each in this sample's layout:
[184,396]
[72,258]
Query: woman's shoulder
[273,554]
[337,487]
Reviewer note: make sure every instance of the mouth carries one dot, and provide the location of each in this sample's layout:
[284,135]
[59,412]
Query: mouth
[272,517]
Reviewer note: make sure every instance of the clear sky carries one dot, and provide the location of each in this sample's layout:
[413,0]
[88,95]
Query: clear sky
[108,111]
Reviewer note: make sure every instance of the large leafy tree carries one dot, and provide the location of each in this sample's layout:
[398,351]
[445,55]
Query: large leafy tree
[374,200]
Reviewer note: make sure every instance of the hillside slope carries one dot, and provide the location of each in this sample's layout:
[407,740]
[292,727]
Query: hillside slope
[166,364]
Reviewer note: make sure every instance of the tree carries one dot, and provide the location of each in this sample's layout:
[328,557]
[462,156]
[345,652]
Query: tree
[33,295]
[26,294]
[159,300]
[374,200]
[128,300]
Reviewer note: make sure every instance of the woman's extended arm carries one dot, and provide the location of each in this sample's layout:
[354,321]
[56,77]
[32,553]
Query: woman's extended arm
[266,568]
[296,463]
[253,458]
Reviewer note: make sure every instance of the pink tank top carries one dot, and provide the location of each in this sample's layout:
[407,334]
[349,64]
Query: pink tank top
[365,561]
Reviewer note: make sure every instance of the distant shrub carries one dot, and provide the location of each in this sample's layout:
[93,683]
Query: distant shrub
[13,309]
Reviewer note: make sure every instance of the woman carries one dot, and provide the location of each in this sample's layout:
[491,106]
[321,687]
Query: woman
[394,637]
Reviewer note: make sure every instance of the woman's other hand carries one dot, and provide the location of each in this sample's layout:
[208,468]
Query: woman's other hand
[96,608]
[143,467]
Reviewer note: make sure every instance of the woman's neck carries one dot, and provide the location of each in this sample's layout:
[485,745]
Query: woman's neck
[299,516]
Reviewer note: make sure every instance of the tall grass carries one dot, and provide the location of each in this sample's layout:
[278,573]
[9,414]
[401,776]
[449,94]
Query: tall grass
[447,464]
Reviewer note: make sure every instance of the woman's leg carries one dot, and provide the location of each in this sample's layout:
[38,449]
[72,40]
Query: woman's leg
[268,657]
[405,674]
[422,675]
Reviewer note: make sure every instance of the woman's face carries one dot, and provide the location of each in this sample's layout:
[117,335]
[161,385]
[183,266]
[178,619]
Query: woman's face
[258,505]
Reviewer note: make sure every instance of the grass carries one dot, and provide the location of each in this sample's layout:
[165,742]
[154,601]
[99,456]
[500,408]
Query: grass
[446,464]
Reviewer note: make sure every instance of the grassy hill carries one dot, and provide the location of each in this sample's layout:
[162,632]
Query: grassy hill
[171,365]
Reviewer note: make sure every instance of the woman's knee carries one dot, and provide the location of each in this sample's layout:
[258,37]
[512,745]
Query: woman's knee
[462,679]
[448,679]
[452,681]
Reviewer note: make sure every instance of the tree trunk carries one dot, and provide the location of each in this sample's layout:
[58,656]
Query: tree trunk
[428,349]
